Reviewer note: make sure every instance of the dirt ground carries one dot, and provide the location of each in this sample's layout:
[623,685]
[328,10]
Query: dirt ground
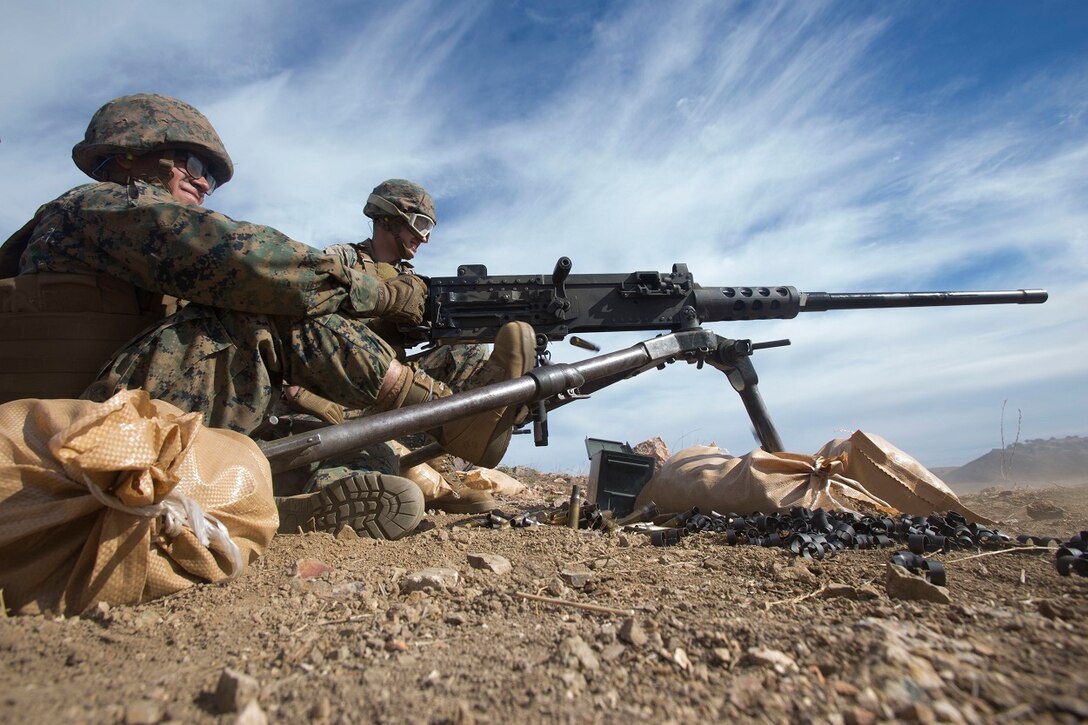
[696,631]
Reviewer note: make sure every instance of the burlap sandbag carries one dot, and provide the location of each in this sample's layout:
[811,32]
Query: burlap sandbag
[896,477]
[707,478]
[493,481]
[429,480]
[123,501]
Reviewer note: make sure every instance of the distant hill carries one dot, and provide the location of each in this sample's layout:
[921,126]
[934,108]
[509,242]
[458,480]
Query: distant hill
[1049,460]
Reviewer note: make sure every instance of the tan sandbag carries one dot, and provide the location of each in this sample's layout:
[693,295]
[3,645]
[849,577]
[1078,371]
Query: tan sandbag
[123,501]
[497,482]
[429,480]
[707,478]
[896,477]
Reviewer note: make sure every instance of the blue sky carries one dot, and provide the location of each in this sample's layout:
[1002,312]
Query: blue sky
[831,146]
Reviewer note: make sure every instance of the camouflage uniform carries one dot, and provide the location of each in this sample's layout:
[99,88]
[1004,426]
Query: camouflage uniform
[261,307]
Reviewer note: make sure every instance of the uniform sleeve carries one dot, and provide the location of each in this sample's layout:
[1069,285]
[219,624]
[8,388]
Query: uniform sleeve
[140,234]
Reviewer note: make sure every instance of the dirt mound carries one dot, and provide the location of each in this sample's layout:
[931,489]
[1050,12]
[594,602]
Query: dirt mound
[1051,460]
[575,626]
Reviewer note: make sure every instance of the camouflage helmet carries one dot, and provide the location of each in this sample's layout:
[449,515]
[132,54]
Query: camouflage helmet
[147,122]
[408,197]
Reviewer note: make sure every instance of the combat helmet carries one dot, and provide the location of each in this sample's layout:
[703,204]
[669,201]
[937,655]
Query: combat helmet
[147,122]
[404,199]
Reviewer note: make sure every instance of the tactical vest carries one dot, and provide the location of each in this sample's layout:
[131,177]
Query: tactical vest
[58,330]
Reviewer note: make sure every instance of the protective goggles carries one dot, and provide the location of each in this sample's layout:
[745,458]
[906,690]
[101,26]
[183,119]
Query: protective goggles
[195,167]
[421,224]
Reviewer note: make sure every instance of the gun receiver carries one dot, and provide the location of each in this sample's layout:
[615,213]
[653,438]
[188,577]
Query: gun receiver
[473,305]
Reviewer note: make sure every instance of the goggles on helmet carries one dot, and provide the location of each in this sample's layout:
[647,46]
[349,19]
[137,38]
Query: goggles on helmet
[196,167]
[420,224]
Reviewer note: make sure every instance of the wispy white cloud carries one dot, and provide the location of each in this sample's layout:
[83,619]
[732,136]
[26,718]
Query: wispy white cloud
[762,144]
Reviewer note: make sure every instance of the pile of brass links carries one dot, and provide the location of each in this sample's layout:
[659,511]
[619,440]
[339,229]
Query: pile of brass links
[818,534]
[812,533]
[1073,556]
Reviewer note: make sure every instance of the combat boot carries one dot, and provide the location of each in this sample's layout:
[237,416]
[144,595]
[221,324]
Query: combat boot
[482,438]
[376,505]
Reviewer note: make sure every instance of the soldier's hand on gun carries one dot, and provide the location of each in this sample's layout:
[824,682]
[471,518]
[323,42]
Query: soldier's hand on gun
[401,299]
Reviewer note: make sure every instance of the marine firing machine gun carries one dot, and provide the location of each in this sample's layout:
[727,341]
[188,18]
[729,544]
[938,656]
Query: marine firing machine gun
[472,306]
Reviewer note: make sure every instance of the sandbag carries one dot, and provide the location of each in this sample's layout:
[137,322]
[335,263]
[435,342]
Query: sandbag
[123,502]
[896,477]
[707,478]
[430,481]
[494,481]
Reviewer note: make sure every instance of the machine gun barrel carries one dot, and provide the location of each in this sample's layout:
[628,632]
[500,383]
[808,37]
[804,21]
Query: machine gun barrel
[821,301]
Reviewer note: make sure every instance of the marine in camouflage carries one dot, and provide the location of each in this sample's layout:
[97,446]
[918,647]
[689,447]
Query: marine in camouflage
[261,308]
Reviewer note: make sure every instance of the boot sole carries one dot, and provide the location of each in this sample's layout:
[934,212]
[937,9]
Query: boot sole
[376,505]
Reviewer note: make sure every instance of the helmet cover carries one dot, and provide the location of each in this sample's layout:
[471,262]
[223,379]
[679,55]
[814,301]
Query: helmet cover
[409,197]
[147,122]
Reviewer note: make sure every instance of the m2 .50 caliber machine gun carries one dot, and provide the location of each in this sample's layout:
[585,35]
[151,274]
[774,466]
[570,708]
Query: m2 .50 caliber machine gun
[472,306]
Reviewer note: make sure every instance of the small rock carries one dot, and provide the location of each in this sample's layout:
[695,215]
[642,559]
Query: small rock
[632,633]
[252,714]
[456,619]
[235,690]
[574,681]
[395,645]
[901,584]
[721,656]
[839,591]
[306,569]
[680,657]
[145,618]
[557,588]
[858,716]
[576,579]
[780,661]
[917,712]
[612,651]
[346,533]
[945,711]
[490,562]
[574,652]
[435,579]
[655,448]
[144,712]
[844,688]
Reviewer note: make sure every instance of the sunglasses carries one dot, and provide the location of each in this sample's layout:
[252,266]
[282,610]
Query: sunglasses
[421,224]
[196,167]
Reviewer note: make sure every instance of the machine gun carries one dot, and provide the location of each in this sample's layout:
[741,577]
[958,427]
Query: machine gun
[472,306]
